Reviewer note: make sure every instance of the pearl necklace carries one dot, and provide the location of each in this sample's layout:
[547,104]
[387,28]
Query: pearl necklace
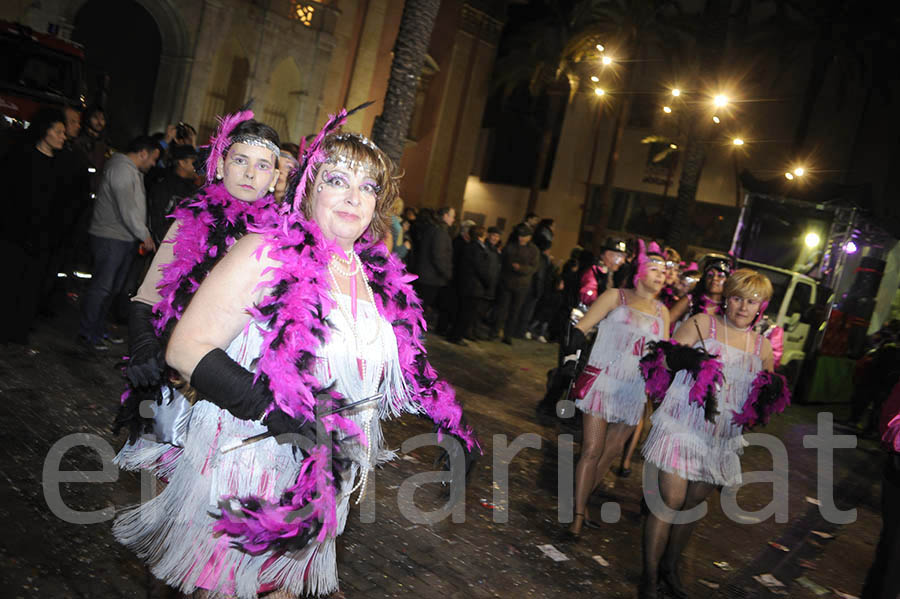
[746,336]
[354,264]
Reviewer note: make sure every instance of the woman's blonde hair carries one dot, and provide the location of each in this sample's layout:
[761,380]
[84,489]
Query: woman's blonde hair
[748,283]
[358,151]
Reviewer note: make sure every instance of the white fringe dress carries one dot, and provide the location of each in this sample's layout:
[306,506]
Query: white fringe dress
[173,531]
[683,442]
[617,394]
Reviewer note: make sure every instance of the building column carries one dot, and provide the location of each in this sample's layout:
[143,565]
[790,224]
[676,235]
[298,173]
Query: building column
[214,24]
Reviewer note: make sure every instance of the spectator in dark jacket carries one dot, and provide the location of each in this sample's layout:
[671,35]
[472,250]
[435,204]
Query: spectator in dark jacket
[434,258]
[170,185]
[449,301]
[543,234]
[477,279]
[520,261]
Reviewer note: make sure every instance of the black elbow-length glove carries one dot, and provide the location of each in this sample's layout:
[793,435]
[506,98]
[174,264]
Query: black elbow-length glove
[146,361]
[227,384]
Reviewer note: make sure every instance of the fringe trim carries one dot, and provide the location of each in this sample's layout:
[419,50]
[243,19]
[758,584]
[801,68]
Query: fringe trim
[680,450]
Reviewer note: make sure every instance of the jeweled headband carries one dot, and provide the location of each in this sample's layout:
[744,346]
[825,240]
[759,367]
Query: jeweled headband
[255,140]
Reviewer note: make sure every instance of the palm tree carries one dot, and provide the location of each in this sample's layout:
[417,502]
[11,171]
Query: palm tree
[413,38]
[555,55]
[712,29]
[641,26]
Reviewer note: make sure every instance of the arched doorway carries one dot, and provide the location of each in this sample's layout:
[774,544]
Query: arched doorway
[122,63]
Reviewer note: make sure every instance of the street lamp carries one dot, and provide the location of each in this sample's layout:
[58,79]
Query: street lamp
[720,101]
[676,92]
[799,171]
[716,119]
[789,176]
[812,240]
[667,109]
[595,79]
[600,48]
[599,91]
[673,146]
[606,60]
[737,141]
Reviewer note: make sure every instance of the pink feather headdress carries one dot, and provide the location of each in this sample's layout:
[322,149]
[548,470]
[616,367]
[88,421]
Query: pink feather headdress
[313,155]
[218,143]
[643,262]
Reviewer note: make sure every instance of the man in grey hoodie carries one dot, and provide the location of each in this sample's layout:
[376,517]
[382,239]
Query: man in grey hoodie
[118,226]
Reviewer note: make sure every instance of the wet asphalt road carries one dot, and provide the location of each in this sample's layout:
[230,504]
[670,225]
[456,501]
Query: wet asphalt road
[62,389]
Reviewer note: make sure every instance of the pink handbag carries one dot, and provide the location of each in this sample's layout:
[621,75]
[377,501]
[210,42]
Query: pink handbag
[584,382]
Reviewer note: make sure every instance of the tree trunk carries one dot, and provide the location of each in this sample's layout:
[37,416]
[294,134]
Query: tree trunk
[609,177]
[715,27]
[692,168]
[554,105]
[413,38]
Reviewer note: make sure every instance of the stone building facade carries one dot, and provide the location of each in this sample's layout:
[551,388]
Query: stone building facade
[301,60]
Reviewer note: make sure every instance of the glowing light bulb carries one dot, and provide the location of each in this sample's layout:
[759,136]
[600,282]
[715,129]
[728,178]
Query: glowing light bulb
[737,141]
[716,120]
[600,48]
[667,109]
[789,176]
[599,91]
[606,60]
[812,240]
[676,92]
[720,100]
[594,78]
[673,146]
[850,248]
[799,171]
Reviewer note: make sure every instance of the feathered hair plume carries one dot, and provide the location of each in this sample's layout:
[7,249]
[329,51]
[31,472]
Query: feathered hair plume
[218,143]
[642,261]
[313,155]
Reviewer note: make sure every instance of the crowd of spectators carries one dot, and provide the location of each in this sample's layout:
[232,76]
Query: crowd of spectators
[85,209]
[475,286]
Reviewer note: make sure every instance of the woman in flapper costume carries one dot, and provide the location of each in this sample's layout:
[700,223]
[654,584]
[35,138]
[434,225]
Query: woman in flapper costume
[613,402]
[241,175]
[706,297]
[718,381]
[302,317]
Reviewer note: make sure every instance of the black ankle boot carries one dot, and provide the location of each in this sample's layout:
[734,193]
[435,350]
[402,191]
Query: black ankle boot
[671,583]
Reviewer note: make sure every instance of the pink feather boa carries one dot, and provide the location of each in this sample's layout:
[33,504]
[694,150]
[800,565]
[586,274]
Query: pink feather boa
[208,225]
[769,395]
[657,378]
[294,313]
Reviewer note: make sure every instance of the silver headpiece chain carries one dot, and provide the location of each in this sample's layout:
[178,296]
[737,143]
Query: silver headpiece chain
[358,137]
[255,140]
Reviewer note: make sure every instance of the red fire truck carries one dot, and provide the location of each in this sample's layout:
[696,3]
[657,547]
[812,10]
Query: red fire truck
[38,70]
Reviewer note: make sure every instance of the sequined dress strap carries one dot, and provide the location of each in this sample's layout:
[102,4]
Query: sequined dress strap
[712,327]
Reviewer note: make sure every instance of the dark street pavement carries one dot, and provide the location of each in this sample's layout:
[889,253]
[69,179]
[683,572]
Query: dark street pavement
[64,389]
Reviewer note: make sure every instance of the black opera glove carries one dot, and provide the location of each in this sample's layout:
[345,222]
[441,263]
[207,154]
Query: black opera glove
[230,386]
[280,423]
[146,355]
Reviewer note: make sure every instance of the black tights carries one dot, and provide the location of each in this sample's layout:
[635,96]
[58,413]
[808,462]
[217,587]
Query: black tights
[664,542]
[600,445]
